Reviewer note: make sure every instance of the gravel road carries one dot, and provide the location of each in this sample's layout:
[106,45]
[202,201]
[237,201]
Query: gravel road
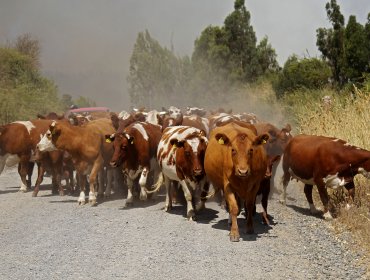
[51,237]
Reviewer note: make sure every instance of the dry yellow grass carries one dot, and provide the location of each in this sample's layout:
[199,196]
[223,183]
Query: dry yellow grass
[348,118]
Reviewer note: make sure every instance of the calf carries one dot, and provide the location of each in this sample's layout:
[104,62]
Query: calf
[181,158]
[86,146]
[135,149]
[324,162]
[18,142]
[236,162]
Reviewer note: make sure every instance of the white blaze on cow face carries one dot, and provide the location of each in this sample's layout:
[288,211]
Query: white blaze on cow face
[142,130]
[333,181]
[123,115]
[174,112]
[45,144]
[29,125]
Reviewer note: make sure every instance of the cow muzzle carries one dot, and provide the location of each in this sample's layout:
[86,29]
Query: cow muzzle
[113,163]
[242,172]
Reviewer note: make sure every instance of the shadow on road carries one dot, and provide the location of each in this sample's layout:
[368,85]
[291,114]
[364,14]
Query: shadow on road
[304,211]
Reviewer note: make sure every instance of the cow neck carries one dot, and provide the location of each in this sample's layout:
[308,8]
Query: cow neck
[70,132]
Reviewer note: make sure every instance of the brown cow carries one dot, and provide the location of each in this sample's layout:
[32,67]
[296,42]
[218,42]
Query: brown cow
[135,149]
[87,147]
[181,158]
[324,162]
[18,141]
[236,163]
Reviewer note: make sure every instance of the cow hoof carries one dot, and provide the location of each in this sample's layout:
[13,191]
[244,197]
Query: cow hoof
[327,216]
[34,194]
[190,214]
[22,190]
[81,202]
[92,202]
[61,193]
[234,238]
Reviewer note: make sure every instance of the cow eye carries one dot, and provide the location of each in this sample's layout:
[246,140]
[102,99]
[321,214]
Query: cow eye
[48,135]
[187,153]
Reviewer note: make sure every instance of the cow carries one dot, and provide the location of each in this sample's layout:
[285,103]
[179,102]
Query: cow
[87,147]
[135,148]
[50,116]
[18,142]
[324,162]
[181,158]
[236,163]
[197,122]
[201,112]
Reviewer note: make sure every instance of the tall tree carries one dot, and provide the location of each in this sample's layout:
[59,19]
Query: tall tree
[357,51]
[156,75]
[331,41]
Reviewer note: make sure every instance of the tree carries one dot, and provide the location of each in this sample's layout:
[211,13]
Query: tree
[357,52]
[266,57]
[27,45]
[331,41]
[241,41]
[156,74]
[309,73]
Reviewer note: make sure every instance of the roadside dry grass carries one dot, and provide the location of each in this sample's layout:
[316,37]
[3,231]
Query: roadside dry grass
[345,116]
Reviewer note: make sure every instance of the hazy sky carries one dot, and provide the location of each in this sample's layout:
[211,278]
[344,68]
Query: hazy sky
[86,44]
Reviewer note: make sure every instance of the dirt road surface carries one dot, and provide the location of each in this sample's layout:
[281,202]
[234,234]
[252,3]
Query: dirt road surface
[51,237]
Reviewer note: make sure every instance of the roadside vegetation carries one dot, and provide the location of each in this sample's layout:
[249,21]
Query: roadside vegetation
[231,68]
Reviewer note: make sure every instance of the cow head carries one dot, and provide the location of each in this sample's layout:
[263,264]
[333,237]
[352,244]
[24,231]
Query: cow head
[365,169]
[271,160]
[190,156]
[241,150]
[47,142]
[278,140]
[122,142]
[201,112]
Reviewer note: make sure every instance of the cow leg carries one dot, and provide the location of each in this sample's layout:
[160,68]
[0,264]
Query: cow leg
[168,203]
[101,181]
[97,167]
[233,211]
[130,185]
[30,167]
[351,193]
[308,193]
[285,182]
[324,199]
[142,183]
[265,185]
[203,195]
[40,178]
[82,183]
[23,172]
[189,201]
[110,176]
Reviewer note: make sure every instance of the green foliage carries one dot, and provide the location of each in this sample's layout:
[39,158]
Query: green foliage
[84,102]
[156,74]
[345,48]
[308,73]
[356,49]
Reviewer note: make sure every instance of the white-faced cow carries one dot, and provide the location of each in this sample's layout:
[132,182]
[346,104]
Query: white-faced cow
[18,142]
[236,163]
[87,147]
[181,158]
[135,149]
[324,162]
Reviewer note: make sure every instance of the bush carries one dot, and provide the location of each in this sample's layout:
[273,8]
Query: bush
[308,73]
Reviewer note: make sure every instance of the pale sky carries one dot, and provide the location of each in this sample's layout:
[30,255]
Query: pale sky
[86,44]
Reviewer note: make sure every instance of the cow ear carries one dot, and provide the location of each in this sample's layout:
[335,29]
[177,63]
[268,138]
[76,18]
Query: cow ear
[222,139]
[287,128]
[261,139]
[109,138]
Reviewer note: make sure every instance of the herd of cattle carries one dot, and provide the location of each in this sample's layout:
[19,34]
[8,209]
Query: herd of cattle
[197,152]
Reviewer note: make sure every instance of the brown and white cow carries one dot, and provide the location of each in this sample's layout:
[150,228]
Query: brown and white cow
[87,147]
[135,149]
[181,158]
[324,162]
[18,142]
[236,163]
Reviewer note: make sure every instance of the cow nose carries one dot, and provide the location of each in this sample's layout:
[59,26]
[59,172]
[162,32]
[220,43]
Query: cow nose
[113,163]
[243,172]
[198,171]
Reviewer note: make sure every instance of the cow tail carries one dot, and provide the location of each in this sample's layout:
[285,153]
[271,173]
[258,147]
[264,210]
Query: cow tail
[157,185]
